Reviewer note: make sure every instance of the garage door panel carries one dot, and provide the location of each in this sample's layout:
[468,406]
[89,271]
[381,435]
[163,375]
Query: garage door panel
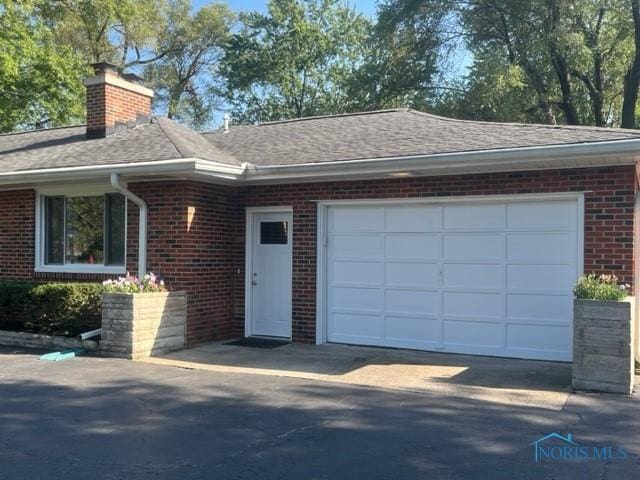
[543,338]
[354,298]
[542,247]
[490,278]
[478,247]
[473,217]
[460,332]
[540,277]
[554,308]
[413,329]
[349,326]
[413,247]
[535,215]
[362,273]
[412,275]
[419,302]
[479,305]
[350,247]
[418,218]
[465,275]
[357,219]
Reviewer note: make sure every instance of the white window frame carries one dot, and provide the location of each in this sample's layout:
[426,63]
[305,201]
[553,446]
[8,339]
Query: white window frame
[72,191]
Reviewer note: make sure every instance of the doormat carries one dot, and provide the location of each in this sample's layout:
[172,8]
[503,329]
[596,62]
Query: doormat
[256,342]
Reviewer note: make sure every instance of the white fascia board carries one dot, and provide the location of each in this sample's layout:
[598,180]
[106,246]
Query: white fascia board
[221,170]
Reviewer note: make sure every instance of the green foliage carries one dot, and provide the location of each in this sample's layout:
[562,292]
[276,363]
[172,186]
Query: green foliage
[186,80]
[603,287]
[404,50]
[294,61]
[51,308]
[123,32]
[40,79]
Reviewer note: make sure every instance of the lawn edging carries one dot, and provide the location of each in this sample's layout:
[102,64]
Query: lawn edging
[44,342]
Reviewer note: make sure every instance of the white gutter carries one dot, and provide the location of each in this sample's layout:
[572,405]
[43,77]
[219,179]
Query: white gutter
[142,222]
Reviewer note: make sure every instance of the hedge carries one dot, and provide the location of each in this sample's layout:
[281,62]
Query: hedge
[51,308]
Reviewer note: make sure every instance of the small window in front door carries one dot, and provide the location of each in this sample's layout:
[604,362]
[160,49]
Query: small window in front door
[273,233]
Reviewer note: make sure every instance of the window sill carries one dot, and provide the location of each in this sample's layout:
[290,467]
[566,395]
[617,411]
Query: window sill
[116,270]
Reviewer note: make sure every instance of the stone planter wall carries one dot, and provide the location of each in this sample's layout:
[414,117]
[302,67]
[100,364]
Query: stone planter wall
[603,346]
[141,325]
[44,342]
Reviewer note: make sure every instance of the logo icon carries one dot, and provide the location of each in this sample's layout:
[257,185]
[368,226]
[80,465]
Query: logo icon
[557,447]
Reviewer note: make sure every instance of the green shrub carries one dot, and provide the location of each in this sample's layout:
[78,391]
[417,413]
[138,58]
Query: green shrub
[51,308]
[603,287]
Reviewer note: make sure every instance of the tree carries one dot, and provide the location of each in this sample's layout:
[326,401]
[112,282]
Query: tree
[40,80]
[123,32]
[632,76]
[403,53]
[186,80]
[294,61]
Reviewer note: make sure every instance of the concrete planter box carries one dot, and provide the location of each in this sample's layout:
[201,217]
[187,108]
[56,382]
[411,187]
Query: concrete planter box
[603,346]
[141,325]
[44,342]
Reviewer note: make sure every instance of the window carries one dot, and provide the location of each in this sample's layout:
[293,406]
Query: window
[273,233]
[83,233]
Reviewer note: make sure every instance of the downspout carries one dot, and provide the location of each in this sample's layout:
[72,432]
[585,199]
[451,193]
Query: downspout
[142,222]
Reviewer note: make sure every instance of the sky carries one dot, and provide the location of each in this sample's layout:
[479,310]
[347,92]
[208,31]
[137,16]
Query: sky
[367,7]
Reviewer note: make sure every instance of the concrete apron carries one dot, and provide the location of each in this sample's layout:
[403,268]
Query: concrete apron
[507,381]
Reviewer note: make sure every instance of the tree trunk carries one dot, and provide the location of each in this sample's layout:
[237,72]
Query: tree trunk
[559,63]
[632,77]
[562,72]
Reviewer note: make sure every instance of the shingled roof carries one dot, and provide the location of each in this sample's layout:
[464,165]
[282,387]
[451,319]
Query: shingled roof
[160,139]
[371,135]
[391,133]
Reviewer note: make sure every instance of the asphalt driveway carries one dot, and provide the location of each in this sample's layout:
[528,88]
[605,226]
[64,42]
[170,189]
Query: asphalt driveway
[115,419]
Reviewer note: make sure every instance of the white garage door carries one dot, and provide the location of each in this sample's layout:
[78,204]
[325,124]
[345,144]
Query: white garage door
[473,277]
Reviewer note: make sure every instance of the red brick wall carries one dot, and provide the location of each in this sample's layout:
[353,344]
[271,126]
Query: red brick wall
[207,259]
[108,104]
[17,227]
[200,258]
[609,205]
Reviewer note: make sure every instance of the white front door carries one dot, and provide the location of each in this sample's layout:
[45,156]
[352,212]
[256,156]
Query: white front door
[270,274]
[490,278]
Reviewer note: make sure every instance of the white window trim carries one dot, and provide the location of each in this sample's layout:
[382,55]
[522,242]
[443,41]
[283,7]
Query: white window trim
[72,191]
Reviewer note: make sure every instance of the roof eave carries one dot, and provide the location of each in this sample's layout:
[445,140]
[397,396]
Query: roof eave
[497,160]
[171,167]
[617,152]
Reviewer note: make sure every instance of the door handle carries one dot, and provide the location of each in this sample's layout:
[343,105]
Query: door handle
[254,282]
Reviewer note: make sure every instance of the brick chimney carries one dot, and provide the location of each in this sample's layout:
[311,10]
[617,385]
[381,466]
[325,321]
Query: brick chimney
[114,101]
